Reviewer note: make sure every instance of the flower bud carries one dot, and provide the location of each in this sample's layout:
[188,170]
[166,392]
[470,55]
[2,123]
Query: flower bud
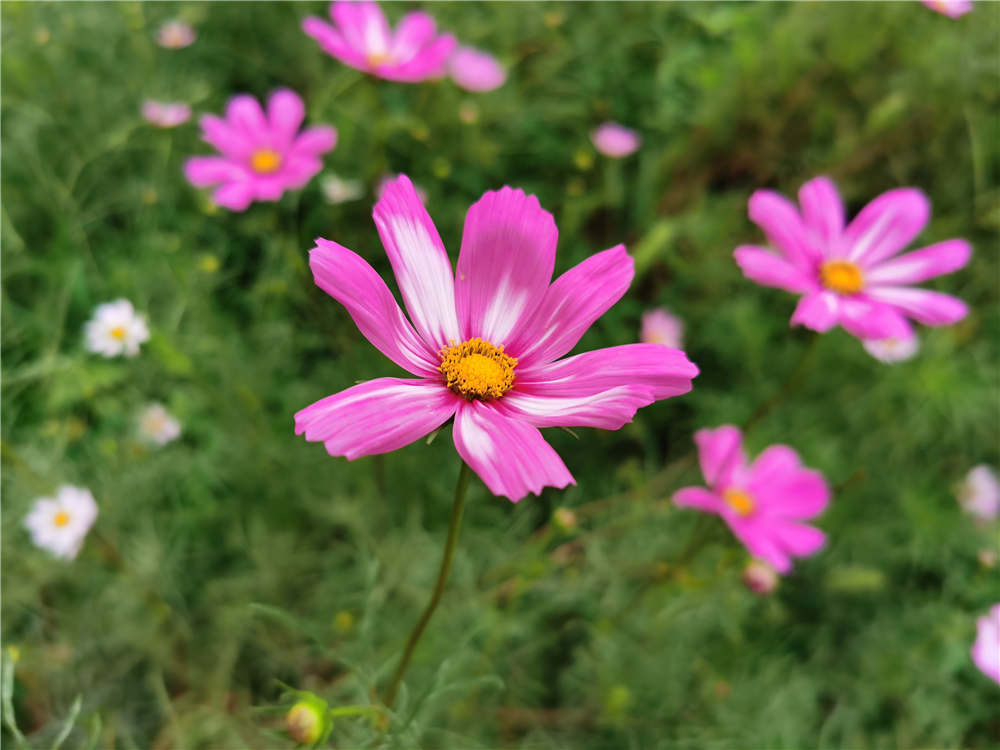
[307,720]
[760,577]
[565,519]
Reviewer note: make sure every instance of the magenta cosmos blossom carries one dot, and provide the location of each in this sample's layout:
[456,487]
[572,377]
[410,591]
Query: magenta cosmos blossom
[950,8]
[475,70]
[484,341]
[986,649]
[361,38]
[615,140]
[849,275]
[765,502]
[262,155]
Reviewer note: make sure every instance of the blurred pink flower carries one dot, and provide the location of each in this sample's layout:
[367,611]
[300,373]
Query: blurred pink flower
[892,350]
[175,35]
[475,70]
[849,275]
[986,649]
[484,342]
[760,577]
[361,38]
[261,155]
[165,114]
[660,327]
[615,140]
[764,503]
[950,8]
[979,494]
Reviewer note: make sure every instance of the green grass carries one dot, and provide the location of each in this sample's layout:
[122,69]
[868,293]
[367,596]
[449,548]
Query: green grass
[241,555]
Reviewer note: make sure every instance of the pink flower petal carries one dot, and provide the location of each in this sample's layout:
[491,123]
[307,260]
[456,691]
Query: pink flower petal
[414,31]
[779,484]
[245,115]
[348,278]
[658,369]
[817,311]
[225,138]
[764,267]
[510,456]
[419,262]
[571,305]
[615,140]
[285,112]
[376,417]
[759,541]
[720,452]
[314,141]
[798,539]
[205,171]
[430,63]
[236,196]
[333,43]
[822,209]
[920,265]
[505,264]
[475,70]
[870,319]
[886,225]
[297,171]
[784,228]
[607,410]
[698,497]
[363,25]
[927,307]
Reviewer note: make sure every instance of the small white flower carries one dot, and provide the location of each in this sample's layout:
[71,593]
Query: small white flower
[892,350]
[157,425]
[116,329]
[59,524]
[660,327]
[979,493]
[337,190]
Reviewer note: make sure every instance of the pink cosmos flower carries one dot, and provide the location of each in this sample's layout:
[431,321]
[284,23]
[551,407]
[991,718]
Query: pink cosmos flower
[849,275]
[660,327]
[986,649]
[165,114]
[484,342]
[262,156]
[979,494]
[950,8]
[764,503]
[475,70]
[615,140]
[175,35]
[361,38]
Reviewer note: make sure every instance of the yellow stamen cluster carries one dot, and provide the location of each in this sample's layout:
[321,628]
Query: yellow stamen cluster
[739,501]
[378,58]
[118,332]
[62,518]
[842,276]
[265,161]
[477,369]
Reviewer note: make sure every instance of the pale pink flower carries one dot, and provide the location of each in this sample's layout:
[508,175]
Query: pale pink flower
[986,649]
[950,8]
[262,155]
[157,425]
[764,503]
[659,326]
[175,35]
[615,140]
[848,274]
[485,342]
[165,114]
[475,70]
[59,524]
[760,577]
[892,350]
[361,38]
[979,493]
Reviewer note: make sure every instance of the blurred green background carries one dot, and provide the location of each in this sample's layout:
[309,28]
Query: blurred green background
[240,554]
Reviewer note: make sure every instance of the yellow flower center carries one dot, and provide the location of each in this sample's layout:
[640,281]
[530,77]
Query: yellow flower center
[739,501]
[265,160]
[378,58]
[118,332]
[842,276]
[477,369]
[62,518]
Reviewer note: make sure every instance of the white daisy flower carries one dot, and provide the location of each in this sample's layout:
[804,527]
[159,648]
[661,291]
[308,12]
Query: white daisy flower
[157,425]
[892,350]
[116,329]
[337,190]
[59,524]
[979,493]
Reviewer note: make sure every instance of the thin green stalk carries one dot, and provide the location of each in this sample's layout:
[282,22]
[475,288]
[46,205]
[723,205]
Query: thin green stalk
[461,488]
[789,386]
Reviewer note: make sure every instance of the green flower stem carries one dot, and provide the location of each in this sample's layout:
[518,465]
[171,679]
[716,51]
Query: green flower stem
[461,489]
[789,386]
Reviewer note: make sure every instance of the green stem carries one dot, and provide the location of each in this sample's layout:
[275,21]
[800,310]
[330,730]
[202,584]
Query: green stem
[790,385]
[461,488]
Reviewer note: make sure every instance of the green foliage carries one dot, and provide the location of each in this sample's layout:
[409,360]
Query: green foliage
[241,555]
